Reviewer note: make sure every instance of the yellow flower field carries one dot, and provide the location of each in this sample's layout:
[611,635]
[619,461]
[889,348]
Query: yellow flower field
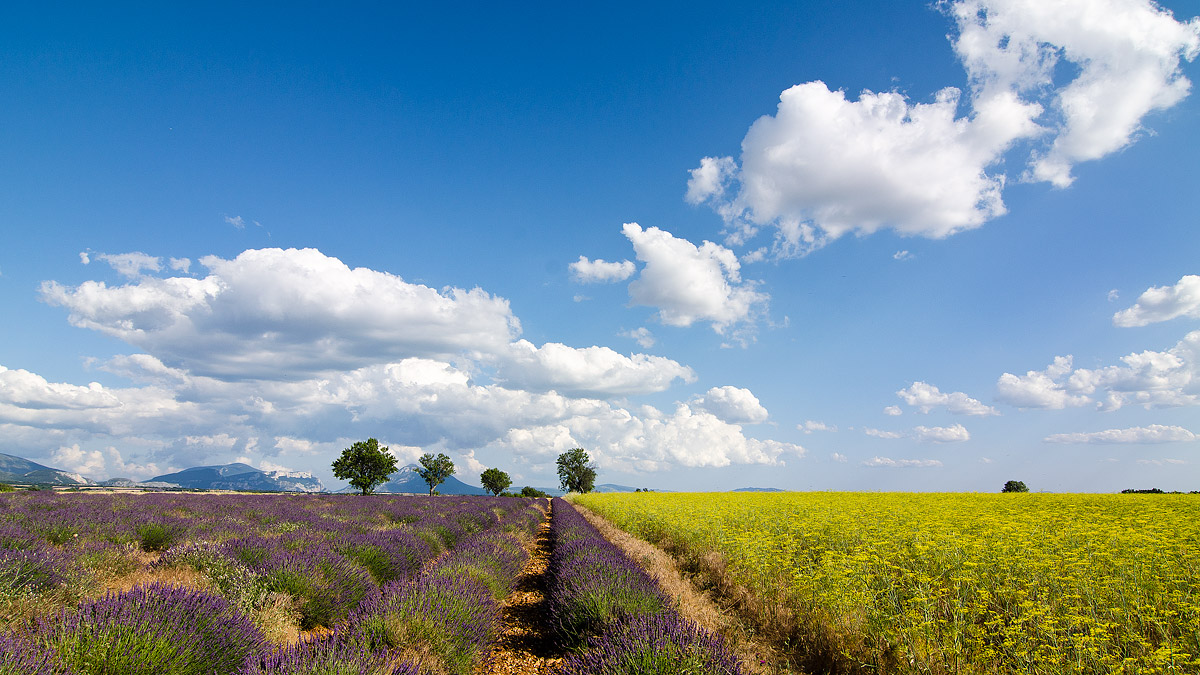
[954,583]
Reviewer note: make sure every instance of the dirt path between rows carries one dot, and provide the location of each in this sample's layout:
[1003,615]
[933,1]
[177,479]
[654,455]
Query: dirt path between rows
[525,646]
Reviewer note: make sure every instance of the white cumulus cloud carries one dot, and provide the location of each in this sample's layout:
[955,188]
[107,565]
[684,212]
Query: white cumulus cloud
[1056,83]
[689,283]
[1152,379]
[732,404]
[1040,388]
[600,271]
[955,434]
[590,371]
[652,440]
[926,397]
[1163,303]
[1127,54]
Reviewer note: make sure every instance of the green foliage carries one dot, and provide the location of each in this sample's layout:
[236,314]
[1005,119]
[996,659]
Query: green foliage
[575,473]
[495,481]
[1014,486]
[365,465]
[532,492]
[5,487]
[155,537]
[434,470]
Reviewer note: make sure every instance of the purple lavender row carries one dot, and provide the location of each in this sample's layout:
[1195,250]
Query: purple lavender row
[613,615]
[444,618]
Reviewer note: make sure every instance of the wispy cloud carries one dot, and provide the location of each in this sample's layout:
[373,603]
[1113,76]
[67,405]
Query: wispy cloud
[888,462]
[1154,433]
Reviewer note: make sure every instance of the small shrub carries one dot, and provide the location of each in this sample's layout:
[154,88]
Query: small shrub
[155,537]
[327,587]
[239,585]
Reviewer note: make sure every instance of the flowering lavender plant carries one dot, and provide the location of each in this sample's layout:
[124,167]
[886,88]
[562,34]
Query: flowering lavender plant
[491,558]
[592,584]
[153,629]
[338,653]
[387,554]
[659,643]
[18,657]
[327,586]
[238,584]
[442,623]
[28,564]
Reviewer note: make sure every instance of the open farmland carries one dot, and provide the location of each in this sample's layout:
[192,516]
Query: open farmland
[211,583]
[125,584]
[946,583]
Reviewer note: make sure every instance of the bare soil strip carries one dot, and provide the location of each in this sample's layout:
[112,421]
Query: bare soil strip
[525,646]
[705,609]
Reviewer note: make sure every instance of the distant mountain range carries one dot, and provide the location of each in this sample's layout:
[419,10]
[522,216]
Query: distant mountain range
[240,476]
[15,469]
[757,489]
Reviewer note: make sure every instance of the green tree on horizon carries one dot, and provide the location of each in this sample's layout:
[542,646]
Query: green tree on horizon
[365,465]
[434,470]
[495,481]
[1014,486]
[575,472]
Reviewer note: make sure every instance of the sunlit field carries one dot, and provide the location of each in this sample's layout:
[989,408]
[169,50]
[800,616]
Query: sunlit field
[254,584]
[948,583]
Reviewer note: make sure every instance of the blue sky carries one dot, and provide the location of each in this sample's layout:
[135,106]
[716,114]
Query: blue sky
[848,246]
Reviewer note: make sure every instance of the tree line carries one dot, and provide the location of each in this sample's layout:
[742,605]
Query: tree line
[367,465]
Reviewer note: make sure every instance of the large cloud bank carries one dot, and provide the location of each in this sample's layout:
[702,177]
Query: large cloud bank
[283,356]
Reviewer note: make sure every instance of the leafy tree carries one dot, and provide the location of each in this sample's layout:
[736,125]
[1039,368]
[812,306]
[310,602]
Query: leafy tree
[1014,486]
[495,481]
[575,473]
[434,470]
[365,465]
[532,492]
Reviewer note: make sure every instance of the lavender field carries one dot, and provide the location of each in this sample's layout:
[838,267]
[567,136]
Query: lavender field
[257,584]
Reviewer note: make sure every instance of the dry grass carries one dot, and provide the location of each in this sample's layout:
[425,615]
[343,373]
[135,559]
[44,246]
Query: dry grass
[725,608]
